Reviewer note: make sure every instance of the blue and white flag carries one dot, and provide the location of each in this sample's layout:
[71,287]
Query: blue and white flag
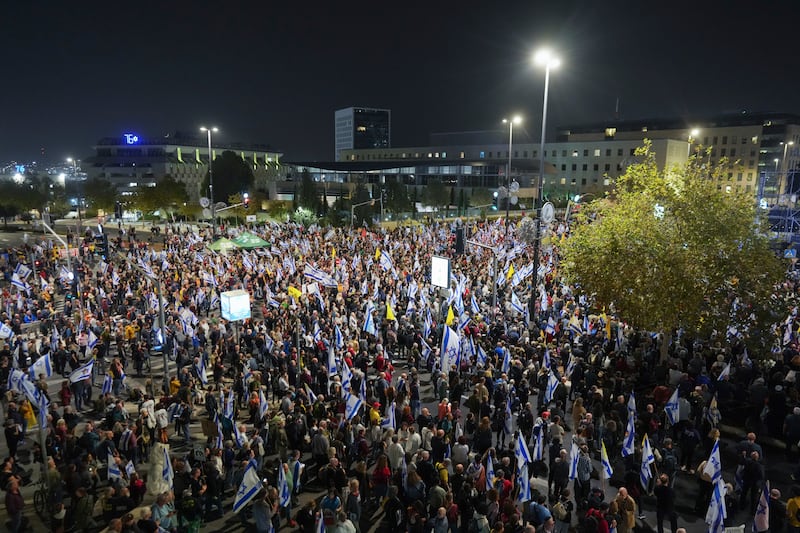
[521,451]
[369,320]
[311,396]
[481,355]
[630,436]
[516,304]
[450,349]
[319,526]
[92,340]
[508,423]
[552,385]
[200,368]
[550,328]
[347,377]
[108,383]
[19,283]
[263,406]
[6,332]
[129,468]
[284,495]
[524,485]
[474,305]
[726,372]
[332,369]
[761,518]
[41,366]
[713,467]
[570,366]
[250,486]
[386,262]
[44,404]
[15,378]
[632,406]
[238,436]
[573,460]
[671,408]
[339,338]
[82,372]
[546,359]
[489,473]
[426,350]
[645,474]
[716,514]
[230,405]
[506,360]
[389,421]
[113,468]
[22,271]
[538,445]
[352,405]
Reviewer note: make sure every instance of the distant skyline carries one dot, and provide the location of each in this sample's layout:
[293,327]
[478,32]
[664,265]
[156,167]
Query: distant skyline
[274,74]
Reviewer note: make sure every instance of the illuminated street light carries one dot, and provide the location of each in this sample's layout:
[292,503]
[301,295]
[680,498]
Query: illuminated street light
[211,176]
[516,119]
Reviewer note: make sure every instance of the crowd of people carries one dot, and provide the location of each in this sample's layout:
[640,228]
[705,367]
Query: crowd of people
[358,380]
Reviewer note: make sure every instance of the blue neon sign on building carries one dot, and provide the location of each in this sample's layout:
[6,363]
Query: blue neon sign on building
[131,138]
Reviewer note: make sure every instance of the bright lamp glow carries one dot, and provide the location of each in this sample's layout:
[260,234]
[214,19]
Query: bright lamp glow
[214,129]
[546,58]
[18,178]
[695,132]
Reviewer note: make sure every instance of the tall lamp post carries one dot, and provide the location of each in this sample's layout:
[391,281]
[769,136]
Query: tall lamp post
[80,193]
[211,176]
[784,169]
[516,120]
[548,60]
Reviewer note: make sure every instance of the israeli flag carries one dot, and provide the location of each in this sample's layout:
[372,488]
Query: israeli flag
[369,321]
[716,514]
[426,350]
[570,366]
[506,360]
[630,435]
[311,396]
[481,355]
[230,404]
[573,464]
[389,421]
[516,304]
[263,406]
[552,385]
[92,340]
[6,332]
[82,372]
[22,271]
[524,485]
[14,379]
[251,485]
[489,473]
[761,518]
[129,468]
[339,338]
[671,408]
[632,406]
[546,359]
[538,445]
[319,527]
[317,332]
[113,468]
[645,474]
[713,467]
[43,407]
[331,361]
[41,366]
[550,328]
[508,426]
[108,383]
[238,436]
[521,451]
[726,372]
[283,488]
[200,367]
[352,406]
[347,377]
[386,261]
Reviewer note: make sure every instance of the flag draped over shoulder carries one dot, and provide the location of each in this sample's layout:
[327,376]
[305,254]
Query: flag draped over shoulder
[250,486]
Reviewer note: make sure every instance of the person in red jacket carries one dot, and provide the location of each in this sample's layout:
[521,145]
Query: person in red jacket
[598,516]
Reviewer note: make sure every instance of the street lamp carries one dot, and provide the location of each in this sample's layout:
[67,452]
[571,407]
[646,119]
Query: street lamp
[548,60]
[80,192]
[515,120]
[776,161]
[211,176]
[575,201]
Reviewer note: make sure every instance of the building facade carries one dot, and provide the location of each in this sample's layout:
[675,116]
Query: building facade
[362,128]
[130,161]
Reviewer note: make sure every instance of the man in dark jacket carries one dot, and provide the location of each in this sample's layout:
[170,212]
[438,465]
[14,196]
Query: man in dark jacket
[665,503]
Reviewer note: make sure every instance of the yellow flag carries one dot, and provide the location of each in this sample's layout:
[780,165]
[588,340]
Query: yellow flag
[390,312]
[333,253]
[563,238]
[293,292]
[510,273]
[451,316]
[377,254]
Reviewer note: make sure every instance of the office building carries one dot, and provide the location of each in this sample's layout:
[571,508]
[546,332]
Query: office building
[359,128]
[131,161]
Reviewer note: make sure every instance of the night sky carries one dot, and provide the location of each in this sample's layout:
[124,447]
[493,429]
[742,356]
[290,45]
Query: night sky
[274,72]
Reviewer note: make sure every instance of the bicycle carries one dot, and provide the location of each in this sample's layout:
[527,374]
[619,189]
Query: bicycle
[41,501]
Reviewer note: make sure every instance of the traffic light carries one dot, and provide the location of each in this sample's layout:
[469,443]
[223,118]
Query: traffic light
[246,200]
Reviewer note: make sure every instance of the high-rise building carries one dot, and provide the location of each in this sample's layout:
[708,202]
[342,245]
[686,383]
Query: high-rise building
[358,128]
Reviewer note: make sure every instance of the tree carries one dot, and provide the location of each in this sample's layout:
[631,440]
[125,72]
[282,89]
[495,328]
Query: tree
[100,194]
[232,175]
[307,192]
[362,212]
[397,200]
[668,249]
[436,194]
[481,197]
[167,196]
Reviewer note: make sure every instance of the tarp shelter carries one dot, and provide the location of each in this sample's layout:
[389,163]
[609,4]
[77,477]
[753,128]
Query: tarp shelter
[222,245]
[248,241]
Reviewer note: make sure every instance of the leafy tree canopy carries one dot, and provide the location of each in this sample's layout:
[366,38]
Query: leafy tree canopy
[100,194]
[232,175]
[168,195]
[668,249]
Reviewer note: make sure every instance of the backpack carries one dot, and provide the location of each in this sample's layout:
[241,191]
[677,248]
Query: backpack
[590,524]
[479,525]
[559,511]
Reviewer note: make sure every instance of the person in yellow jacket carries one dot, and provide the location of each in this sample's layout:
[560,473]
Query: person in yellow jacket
[174,385]
[792,510]
[28,418]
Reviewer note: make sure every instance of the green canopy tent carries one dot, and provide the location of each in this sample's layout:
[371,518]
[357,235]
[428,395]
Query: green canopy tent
[249,241]
[222,245]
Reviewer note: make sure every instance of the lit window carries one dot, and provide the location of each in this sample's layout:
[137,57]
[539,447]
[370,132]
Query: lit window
[644,129]
[430,154]
[444,154]
[728,188]
[606,182]
[610,132]
[132,184]
[361,128]
[597,152]
[482,154]
[574,153]
[563,181]
[754,139]
[461,155]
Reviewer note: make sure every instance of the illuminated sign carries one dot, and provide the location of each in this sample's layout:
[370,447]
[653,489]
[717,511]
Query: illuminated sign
[235,305]
[131,138]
